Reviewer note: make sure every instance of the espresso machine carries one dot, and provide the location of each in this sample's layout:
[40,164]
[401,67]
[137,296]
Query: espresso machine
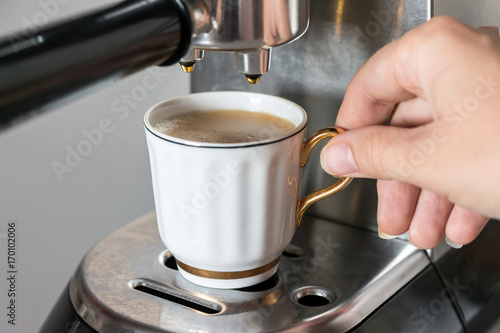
[337,275]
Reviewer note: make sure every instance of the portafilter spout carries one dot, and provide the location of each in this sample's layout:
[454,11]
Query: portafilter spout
[249,29]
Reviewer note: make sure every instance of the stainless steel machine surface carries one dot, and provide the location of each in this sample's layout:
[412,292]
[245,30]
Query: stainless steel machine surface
[330,279]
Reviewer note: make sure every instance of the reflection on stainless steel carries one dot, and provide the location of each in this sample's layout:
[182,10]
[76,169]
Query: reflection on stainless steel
[249,29]
[314,72]
[472,276]
[336,277]
[474,13]
[422,306]
[199,11]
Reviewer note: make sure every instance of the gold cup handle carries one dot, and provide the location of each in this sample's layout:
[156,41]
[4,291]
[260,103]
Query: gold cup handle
[341,184]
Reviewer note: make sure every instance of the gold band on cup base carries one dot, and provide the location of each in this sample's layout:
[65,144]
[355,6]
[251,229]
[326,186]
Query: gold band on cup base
[227,275]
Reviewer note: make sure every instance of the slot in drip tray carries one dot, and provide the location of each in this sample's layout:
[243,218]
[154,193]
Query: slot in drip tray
[178,298]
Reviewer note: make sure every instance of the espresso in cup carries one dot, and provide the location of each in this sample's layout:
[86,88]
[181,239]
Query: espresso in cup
[224,126]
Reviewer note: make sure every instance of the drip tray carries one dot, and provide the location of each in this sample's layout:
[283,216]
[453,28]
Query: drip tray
[329,279]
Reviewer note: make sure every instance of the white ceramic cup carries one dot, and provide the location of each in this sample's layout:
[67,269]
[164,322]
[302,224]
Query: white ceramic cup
[227,211]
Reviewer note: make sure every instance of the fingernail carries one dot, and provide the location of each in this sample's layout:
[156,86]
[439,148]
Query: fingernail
[337,159]
[452,244]
[383,235]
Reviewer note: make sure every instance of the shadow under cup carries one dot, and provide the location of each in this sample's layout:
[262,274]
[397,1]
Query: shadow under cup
[226,211]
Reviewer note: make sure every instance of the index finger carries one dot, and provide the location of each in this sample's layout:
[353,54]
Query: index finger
[421,63]
[375,89]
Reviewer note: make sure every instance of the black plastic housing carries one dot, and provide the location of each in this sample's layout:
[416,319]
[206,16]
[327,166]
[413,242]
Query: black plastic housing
[53,64]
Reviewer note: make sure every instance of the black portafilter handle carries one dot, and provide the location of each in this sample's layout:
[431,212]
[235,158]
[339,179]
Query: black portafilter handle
[49,66]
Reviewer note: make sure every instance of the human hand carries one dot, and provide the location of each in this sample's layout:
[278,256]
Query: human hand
[438,163]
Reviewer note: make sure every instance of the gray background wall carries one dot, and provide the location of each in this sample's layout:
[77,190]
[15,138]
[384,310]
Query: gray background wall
[59,218]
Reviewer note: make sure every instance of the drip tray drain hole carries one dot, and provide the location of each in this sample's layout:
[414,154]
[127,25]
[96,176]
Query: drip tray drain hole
[314,296]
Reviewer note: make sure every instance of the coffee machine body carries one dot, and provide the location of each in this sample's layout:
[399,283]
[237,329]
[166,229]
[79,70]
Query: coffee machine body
[337,276]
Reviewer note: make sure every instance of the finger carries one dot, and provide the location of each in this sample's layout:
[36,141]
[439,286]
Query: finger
[464,225]
[410,66]
[373,92]
[389,77]
[375,152]
[490,30]
[412,113]
[429,220]
[396,206]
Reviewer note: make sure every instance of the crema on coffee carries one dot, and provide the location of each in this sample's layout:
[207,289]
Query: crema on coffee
[224,126]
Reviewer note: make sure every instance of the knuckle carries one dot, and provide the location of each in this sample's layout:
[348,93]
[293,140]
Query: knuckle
[438,31]
[442,23]
[443,26]
[371,159]
[487,42]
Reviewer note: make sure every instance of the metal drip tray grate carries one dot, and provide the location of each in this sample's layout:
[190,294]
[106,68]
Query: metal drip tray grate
[330,279]
[181,299]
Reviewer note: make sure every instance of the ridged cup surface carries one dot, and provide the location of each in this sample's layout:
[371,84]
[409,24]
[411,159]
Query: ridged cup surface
[226,208]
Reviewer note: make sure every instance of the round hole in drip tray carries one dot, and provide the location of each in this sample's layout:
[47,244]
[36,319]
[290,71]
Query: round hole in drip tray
[313,300]
[169,261]
[314,296]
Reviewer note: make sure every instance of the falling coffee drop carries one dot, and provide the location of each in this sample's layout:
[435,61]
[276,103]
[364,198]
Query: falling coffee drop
[253,78]
[187,66]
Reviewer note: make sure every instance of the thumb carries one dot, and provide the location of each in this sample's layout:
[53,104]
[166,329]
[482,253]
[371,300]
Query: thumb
[372,152]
